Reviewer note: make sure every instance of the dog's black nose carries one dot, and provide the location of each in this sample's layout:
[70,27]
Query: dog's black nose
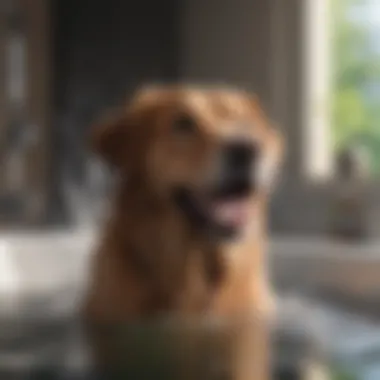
[239,155]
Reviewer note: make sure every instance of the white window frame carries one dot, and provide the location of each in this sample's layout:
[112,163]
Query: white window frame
[318,162]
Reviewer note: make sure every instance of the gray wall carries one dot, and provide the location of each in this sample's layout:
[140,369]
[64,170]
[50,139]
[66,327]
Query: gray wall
[103,51]
[228,41]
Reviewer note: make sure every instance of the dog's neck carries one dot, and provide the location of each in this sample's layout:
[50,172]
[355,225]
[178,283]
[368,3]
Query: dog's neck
[160,246]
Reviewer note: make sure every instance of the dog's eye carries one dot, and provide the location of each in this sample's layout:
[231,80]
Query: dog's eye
[184,124]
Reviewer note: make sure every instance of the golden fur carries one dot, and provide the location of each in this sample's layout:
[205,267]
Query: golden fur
[149,261]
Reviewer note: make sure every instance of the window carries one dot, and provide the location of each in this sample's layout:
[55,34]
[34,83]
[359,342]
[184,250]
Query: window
[326,96]
[342,83]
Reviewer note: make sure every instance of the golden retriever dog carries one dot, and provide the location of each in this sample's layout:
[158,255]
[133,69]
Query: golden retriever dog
[187,229]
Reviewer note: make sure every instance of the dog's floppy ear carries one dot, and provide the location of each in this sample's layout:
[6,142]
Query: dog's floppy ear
[109,139]
[117,137]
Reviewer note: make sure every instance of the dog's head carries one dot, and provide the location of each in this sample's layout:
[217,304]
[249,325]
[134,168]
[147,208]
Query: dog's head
[211,152]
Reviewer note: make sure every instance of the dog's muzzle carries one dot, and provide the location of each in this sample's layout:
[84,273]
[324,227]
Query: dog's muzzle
[237,165]
[222,209]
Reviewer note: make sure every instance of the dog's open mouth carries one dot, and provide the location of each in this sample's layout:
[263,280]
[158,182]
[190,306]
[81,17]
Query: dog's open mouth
[223,211]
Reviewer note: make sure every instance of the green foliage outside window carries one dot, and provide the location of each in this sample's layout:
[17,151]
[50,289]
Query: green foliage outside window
[356,71]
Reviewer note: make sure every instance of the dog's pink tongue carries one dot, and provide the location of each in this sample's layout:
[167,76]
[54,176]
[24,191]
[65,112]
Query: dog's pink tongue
[233,212]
